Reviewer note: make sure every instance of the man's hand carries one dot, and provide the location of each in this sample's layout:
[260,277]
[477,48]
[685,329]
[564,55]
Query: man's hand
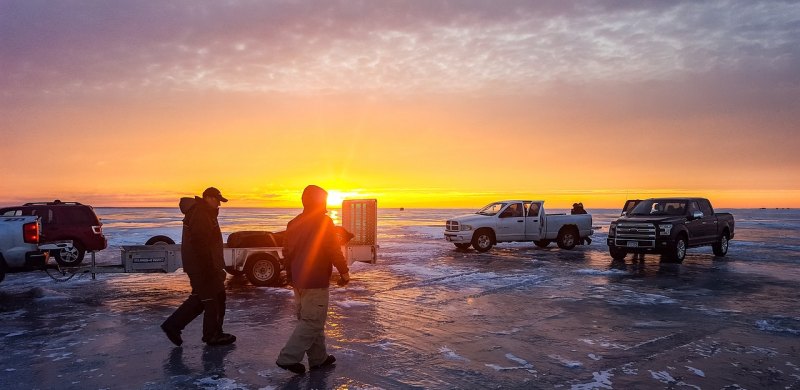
[343,279]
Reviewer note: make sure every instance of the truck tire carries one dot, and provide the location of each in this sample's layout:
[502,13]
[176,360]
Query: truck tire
[483,240]
[721,247]
[70,256]
[462,245]
[262,270]
[2,268]
[159,240]
[542,243]
[616,253]
[567,238]
[677,251]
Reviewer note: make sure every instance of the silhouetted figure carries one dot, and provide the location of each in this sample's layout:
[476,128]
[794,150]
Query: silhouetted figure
[311,249]
[577,208]
[203,262]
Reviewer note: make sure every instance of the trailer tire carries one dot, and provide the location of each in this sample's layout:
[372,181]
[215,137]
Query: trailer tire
[262,270]
[70,256]
[159,240]
[567,238]
[542,243]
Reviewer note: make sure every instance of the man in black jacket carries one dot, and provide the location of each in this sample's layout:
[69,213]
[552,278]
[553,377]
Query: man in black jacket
[311,249]
[201,252]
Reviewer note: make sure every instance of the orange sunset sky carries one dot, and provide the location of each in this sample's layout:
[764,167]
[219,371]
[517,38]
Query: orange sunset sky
[416,103]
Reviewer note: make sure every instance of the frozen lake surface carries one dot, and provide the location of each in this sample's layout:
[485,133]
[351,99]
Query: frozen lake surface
[429,316]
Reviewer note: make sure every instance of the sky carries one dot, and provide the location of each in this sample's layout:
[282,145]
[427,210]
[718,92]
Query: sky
[416,103]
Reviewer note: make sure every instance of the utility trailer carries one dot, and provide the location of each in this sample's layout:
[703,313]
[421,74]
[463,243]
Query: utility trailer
[262,265]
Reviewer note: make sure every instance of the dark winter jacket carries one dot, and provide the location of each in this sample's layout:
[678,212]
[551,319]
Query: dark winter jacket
[311,247]
[201,246]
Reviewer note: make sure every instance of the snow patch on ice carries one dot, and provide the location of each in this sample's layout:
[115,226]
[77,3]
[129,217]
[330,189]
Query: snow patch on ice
[662,376]
[593,356]
[350,303]
[16,333]
[602,380]
[605,344]
[505,332]
[218,383]
[451,355]
[775,326]
[589,271]
[629,369]
[523,365]
[696,371]
[385,345]
[566,362]
[413,269]
[635,298]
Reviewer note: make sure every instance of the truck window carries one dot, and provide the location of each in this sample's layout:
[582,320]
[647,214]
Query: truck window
[705,207]
[492,208]
[514,210]
[12,213]
[45,215]
[693,207]
[533,210]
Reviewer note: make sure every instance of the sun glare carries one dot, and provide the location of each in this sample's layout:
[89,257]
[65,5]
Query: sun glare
[335,198]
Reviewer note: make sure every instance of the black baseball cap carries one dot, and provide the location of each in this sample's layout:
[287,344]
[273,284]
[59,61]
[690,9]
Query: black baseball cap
[214,193]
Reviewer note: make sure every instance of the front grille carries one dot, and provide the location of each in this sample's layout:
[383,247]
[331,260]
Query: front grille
[643,233]
[452,226]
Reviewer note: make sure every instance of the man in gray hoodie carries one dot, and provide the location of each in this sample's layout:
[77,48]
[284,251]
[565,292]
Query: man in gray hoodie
[201,252]
[311,249]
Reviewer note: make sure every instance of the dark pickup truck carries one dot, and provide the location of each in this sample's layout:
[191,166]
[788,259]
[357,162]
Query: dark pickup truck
[669,226]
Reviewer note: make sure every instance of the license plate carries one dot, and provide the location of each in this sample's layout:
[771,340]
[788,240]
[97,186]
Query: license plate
[633,244]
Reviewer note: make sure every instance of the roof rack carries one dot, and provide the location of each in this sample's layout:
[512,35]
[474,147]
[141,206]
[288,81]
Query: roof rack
[53,203]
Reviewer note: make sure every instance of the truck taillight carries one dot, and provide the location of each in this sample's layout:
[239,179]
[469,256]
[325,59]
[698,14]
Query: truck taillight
[30,232]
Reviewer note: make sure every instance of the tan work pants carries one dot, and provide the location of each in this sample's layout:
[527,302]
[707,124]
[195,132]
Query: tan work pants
[309,334]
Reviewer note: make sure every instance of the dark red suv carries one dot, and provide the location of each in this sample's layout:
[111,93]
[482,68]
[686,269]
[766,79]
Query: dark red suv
[65,221]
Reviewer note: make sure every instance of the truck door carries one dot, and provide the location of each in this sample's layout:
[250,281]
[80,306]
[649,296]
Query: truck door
[511,223]
[708,222]
[534,222]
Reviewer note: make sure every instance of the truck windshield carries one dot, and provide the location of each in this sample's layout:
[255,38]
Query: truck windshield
[660,207]
[492,209]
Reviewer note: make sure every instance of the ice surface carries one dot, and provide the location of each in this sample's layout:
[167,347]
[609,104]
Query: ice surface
[429,316]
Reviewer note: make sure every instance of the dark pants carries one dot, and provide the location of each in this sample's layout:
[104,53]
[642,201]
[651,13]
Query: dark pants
[207,297]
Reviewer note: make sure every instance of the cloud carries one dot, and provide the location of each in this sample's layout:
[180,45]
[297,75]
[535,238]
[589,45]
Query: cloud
[75,47]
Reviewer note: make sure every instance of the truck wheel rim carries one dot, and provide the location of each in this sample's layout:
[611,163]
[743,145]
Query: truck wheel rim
[69,254]
[680,249]
[483,241]
[724,244]
[263,270]
[569,239]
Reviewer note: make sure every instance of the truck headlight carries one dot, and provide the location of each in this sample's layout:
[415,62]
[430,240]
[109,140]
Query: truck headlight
[612,230]
[665,229]
[466,227]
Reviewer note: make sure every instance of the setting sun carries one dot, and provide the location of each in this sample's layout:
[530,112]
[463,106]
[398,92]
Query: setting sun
[335,197]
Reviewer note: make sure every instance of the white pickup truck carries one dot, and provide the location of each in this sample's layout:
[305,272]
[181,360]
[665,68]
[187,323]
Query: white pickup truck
[517,220]
[19,245]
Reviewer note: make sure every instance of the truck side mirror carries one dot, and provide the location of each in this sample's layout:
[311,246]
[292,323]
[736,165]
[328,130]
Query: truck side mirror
[697,214]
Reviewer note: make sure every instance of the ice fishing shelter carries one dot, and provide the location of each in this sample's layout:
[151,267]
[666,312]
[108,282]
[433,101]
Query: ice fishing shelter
[360,217]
